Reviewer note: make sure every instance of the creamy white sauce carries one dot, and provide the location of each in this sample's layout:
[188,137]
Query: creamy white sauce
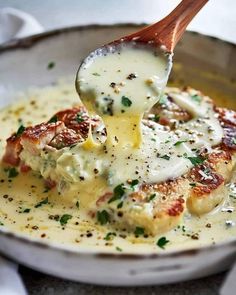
[21,192]
[120,86]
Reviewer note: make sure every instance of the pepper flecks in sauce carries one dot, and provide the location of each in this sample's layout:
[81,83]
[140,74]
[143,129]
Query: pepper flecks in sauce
[27,192]
[119,94]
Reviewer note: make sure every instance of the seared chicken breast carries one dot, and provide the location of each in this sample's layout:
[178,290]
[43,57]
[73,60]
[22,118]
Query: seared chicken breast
[154,207]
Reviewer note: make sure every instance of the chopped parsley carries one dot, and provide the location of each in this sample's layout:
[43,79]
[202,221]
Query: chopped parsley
[152,197]
[155,118]
[79,118]
[77,204]
[20,130]
[51,65]
[120,205]
[179,142]
[12,172]
[192,184]
[197,98]
[165,157]
[1,224]
[43,202]
[162,242]
[139,231]
[118,193]
[109,236]
[119,249]
[196,160]
[126,101]
[103,217]
[64,219]
[27,210]
[96,74]
[53,119]
[133,183]
[234,140]
[232,196]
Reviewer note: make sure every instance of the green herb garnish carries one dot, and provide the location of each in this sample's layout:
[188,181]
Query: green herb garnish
[109,236]
[12,172]
[51,65]
[156,118]
[118,193]
[27,210]
[103,217]
[197,98]
[79,118]
[120,205]
[77,204]
[139,231]
[162,242]
[196,160]
[43,202]
[133,183]
[192,184]
[126,101]
[53,119]
[232,196]
[64,219]
[96,74]
[179,142]
[20,130]
[1,224]
[119,249]
[152,197]
[165,157]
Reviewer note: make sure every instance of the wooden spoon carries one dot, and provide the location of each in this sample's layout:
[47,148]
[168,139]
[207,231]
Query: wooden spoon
[170,29]
[163,34]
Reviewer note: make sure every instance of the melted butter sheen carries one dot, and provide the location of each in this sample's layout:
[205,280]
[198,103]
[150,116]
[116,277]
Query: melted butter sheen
[80,232]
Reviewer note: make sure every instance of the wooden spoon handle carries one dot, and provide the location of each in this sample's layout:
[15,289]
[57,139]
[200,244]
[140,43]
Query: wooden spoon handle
[169,30]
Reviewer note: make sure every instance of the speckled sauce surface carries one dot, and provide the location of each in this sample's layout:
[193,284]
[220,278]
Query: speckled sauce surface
[27,207]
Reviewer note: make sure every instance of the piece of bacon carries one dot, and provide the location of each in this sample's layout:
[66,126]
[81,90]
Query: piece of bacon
[12,151]
[24,168]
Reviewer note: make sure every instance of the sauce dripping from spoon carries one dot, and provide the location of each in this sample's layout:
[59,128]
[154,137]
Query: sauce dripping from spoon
[124,79]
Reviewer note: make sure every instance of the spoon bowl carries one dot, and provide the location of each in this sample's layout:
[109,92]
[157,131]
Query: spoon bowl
[160,37]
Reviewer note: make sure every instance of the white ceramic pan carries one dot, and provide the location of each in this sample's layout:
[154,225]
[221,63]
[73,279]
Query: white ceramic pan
[201,62]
